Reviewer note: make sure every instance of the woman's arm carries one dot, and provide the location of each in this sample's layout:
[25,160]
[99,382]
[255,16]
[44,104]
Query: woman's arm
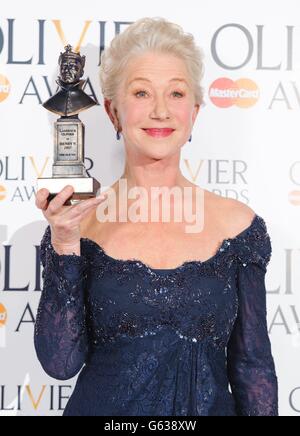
[251,367]
[60,336]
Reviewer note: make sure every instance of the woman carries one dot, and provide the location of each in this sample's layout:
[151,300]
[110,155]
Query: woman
[161,328]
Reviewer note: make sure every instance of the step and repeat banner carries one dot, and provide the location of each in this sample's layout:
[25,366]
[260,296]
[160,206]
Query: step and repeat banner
[246,145]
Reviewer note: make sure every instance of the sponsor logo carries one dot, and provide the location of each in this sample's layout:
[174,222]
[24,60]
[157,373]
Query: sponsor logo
[4,88]
[225,93]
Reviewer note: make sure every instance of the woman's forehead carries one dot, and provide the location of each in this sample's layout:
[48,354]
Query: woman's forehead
[163,79]
[147,80]
[159,60]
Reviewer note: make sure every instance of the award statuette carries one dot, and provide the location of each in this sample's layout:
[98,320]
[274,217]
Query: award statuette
[68,167]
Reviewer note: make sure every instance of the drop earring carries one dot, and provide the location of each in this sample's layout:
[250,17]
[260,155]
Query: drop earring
[190,140]
[118,135]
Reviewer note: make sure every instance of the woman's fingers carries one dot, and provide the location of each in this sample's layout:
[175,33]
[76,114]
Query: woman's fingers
[87,212]
[86,206]
[59,200]
[54,207]
[41,199]
[65,221]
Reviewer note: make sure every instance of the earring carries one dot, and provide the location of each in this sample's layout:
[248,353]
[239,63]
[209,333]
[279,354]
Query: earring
[118,135]
[190,140]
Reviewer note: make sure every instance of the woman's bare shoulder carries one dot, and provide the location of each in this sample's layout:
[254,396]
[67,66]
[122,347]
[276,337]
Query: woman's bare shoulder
[233,216]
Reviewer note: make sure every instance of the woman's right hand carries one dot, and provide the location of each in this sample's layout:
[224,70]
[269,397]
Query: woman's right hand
[65,220]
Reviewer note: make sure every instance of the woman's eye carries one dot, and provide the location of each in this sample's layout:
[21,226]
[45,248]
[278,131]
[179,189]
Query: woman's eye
[178,93]
[142,93]
[139,92]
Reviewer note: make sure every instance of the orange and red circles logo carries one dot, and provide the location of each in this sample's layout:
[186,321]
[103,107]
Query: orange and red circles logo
[225,93]
[3,315]
[294,198]
[4,88]
[2,193]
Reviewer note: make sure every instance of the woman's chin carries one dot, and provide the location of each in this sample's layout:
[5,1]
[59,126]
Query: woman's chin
[156,151]
[160,155]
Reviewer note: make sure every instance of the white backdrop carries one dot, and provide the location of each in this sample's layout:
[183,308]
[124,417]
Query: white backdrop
[249,151]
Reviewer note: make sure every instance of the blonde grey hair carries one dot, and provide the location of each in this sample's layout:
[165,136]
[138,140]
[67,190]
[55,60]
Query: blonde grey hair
[150,34]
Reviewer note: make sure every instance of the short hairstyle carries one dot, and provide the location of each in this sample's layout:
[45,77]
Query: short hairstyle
[150,34]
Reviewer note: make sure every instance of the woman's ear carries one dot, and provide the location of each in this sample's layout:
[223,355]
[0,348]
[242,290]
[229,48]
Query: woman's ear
[108,108]
[195,112]
[111,111]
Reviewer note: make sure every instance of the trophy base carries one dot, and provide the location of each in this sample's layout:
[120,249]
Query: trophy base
[84,187]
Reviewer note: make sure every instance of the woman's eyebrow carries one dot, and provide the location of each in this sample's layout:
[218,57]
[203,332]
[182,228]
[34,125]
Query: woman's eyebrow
[177,79]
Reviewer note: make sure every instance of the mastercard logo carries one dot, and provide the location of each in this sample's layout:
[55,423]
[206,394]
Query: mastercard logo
[4,88]
[225,93]
[294,198]
[2,193]
[3,315]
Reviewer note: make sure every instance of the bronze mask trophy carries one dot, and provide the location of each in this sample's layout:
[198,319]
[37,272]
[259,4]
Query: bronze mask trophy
[68,167]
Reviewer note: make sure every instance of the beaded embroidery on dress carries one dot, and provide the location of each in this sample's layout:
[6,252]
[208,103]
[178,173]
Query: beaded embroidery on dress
[160,342]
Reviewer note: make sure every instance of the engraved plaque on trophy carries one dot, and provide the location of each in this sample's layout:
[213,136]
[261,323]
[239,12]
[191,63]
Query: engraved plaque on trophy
[69,132]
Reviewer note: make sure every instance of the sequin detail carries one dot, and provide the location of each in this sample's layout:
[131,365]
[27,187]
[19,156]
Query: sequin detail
[160,344]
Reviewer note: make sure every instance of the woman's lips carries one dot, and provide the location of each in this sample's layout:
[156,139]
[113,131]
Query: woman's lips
[159,132]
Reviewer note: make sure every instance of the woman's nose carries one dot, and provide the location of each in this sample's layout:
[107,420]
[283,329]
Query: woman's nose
[160,109]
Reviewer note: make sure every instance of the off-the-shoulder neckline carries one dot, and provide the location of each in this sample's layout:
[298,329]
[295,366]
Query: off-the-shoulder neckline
[168,271]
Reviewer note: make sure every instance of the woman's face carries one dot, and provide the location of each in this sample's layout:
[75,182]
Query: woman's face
[159,101]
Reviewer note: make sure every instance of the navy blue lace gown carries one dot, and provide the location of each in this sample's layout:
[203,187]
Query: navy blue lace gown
[189,341]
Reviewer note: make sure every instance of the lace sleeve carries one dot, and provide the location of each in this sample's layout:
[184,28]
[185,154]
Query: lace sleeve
[251,368]
[60,336]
